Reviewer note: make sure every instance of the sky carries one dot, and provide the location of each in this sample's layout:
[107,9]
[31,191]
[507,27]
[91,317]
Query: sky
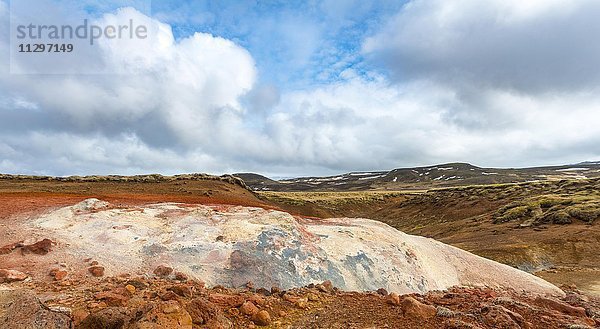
[294,88]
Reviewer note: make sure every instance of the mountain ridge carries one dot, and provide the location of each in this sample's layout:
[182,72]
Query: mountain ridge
[422,177]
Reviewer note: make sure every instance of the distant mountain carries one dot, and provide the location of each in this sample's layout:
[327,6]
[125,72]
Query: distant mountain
[443,175]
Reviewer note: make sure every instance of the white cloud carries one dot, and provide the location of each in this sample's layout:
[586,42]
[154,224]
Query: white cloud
[194,104]
[529,46]
[184,83]
[378,125]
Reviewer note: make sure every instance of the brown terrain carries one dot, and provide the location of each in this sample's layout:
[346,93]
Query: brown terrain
[548,227]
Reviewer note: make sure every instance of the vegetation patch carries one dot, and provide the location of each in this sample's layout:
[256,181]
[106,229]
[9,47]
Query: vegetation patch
[551,209]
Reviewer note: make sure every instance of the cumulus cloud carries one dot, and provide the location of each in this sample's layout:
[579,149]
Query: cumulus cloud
[172,96]
[530,46]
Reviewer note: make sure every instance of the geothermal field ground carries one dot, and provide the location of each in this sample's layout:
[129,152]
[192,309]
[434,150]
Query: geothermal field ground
[198,251]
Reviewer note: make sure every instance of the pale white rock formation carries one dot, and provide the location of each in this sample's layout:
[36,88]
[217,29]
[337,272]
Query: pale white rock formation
[233,245]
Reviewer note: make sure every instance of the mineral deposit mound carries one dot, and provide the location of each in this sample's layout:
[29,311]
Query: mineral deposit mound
[234,245]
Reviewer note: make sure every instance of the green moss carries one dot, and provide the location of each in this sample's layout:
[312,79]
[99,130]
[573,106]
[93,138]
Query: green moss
[585,212]
[549,201]
[512,214]
[558,217]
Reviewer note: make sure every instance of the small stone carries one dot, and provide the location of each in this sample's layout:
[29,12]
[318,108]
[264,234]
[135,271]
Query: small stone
[182,290]
[138,283]
[263,292]
[199,283]
[169,295]
[288,297]
[275,290]
[96,271]
[382,292]
[415,309]
[257,300]
[444,312]
[130,288]
[225,300]
[111,298]
[112,317]
[163,271]
[322,288]
[393,299]
[179,276]
[9,248]
[60,275]
[39,248]
[261,318]
[11,276]
[207,315]
[94,263]
[248,308]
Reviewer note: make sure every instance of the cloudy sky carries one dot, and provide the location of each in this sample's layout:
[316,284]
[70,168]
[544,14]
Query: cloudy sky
[288,88]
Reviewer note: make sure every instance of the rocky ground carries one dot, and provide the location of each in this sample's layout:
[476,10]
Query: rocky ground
[167,299]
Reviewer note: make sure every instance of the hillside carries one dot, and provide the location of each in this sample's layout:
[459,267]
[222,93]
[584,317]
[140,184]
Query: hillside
[551,228]
[444,175]
[19,192]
